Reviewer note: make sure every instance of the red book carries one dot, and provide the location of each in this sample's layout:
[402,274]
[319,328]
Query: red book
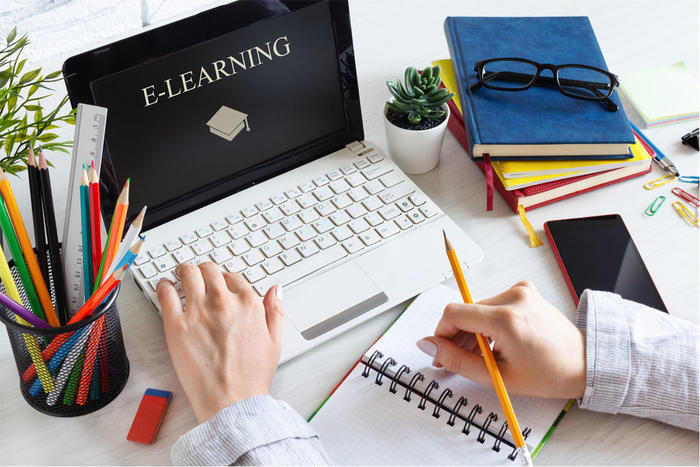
[546,193]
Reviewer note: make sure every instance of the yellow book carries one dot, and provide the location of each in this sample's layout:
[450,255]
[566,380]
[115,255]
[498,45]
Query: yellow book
[448,79]
[520,170]
[640,157]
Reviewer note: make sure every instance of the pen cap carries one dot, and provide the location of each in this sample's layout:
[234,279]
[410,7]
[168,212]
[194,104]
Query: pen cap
[69,370]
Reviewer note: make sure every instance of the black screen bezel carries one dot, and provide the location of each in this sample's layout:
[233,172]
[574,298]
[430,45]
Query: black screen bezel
[82,69]
[554,228]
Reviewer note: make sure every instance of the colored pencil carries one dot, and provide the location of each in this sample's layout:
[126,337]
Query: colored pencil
[20,265]
[25,244]
[114,236]
[22,312]
[54,246]
[95,221]
[93,347]
[95,337]
[490,360]
[85,311]
[88,279]
[30,341]
[99,295]
[71,389]
[37,215]
[130,254]
[131,236]
[66,369]
[64,344]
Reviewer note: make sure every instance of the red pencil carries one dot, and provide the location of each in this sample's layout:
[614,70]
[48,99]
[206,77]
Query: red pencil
[83,312]
[95,221]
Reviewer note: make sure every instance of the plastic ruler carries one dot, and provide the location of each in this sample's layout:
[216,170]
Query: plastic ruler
[90,123]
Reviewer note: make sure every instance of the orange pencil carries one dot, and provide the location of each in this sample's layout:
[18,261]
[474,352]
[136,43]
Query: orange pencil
[29,257]
[85,311]
[490,360]
[114,236]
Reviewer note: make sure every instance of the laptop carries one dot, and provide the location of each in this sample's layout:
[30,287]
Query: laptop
[240,129]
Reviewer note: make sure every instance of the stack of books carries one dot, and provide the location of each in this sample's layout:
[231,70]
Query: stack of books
[536,146]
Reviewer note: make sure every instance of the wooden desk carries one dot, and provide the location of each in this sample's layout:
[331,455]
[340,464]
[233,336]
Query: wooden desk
[388,37]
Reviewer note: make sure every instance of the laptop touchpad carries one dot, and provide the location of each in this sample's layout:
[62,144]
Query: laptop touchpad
[331,299]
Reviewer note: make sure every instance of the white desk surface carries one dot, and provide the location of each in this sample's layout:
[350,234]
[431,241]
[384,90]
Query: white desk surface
[388,37]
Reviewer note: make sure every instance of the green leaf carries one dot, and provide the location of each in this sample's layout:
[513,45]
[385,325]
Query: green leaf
[414,117]
[11,36]
[427,74]
[30,75]
[9,142]
[20,66]
[38,115]
[11,102]
[46,137]
[70,120]
[407,80]
[6,74]
[22,131]
[53,75]
[32,89]
[32,108]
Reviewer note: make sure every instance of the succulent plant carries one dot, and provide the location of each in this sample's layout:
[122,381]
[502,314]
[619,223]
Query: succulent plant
[421,97]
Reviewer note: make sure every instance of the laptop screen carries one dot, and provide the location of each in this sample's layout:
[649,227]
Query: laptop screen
[197,124]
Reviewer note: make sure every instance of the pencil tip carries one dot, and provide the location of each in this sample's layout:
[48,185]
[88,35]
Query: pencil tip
[30,158]
[448,245]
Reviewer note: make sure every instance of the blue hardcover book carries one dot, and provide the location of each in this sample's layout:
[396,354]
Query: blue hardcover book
[540,122]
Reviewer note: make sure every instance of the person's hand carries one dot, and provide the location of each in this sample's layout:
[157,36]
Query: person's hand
[538,351]
[225,344]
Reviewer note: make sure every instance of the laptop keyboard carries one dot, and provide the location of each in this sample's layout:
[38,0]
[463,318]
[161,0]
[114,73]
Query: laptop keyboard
[301,230]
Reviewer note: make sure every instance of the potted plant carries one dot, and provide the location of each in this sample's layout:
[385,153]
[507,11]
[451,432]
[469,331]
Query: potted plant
[416,119]
[24,120]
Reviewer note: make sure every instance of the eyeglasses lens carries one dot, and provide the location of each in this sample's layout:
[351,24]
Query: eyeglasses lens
[584,82]
[508,74]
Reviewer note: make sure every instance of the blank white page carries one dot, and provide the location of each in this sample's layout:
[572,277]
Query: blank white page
[364,423]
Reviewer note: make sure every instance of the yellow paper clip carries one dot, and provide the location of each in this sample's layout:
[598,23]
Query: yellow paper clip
[659,181]
[685,213]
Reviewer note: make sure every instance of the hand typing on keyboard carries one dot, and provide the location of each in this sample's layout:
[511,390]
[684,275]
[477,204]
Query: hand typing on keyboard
[225,343]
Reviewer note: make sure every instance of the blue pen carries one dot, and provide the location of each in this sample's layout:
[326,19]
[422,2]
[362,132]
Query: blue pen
[659,157]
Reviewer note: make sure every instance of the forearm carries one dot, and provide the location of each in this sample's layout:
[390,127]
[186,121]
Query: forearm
[255,431]
[639,361]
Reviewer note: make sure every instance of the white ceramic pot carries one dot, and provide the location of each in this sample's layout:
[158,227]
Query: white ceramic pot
[415,151]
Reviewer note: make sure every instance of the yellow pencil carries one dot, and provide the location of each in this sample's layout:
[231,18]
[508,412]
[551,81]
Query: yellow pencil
[490,360]
[29,258]
[30,341]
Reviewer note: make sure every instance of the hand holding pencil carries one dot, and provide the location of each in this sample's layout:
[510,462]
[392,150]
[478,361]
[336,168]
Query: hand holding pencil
[537,351]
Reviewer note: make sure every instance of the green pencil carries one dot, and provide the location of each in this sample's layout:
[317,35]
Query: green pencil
[553,427]
[16,251]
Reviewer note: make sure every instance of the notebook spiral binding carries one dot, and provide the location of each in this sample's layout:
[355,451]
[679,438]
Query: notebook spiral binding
[408,381]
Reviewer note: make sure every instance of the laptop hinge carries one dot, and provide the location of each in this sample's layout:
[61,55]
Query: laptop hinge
[355,146]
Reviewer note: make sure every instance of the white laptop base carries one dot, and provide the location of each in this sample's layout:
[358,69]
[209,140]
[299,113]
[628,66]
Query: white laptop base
[348,236]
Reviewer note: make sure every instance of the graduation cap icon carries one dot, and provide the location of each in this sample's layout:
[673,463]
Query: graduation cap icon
[227,123]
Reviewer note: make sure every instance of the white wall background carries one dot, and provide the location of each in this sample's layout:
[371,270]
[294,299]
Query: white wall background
[58,27]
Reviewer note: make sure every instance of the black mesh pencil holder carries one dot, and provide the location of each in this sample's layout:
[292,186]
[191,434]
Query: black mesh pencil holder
[69,370]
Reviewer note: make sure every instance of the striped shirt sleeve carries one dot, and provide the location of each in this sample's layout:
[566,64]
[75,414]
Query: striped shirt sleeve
[639,361]
[256,431]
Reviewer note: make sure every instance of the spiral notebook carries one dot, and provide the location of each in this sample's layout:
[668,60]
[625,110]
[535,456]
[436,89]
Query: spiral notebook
[395,408]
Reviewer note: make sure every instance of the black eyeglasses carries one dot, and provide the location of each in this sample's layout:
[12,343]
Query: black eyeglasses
[518,74]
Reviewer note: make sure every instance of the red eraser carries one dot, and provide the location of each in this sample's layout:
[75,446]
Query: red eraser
[148,417]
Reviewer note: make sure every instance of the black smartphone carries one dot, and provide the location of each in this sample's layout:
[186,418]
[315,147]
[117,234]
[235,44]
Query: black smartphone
[598,253]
